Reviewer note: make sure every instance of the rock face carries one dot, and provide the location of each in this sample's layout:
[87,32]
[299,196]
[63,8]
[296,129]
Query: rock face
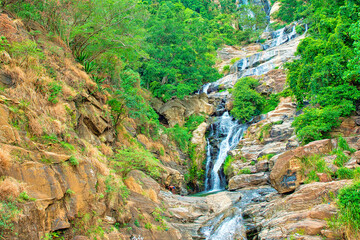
[264,139]
[286,174]
[176,111]
[305,211]
[200,142]
[248,180]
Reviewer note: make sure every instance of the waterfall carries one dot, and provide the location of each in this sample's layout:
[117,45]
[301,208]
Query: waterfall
[204,88]
[225,134]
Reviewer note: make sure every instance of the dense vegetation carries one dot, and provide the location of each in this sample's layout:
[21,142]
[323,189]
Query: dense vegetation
[327,74]
[248,102]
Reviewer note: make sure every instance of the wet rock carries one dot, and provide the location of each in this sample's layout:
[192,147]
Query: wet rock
[248,180]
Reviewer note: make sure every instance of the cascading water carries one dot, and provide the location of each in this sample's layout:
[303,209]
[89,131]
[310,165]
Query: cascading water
[224,135]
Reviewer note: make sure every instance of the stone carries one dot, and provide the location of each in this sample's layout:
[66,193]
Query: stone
[331,235]
[8,134]
[140,183]
[357,156]
[323,177]
[248,180]
[176,111]
[55,157]
[110,220]
[308,226]
[286,174]
[200,143]
[262,166]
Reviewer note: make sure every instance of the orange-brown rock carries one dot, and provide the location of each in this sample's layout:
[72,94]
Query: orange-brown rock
[286,174]
[176,111]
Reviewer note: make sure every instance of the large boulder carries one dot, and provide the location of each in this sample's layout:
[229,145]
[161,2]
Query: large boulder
[248,180]
[286,174]
[176,111]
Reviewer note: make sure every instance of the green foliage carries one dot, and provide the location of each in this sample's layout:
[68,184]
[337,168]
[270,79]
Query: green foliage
[4,44]
[26,49]
[132,158]
[193,122]
[136,223]
[291,10]
[343,145]
[344,173]
[55,90]
[158,215]
[148,226]
[227,164]
[244,171]
[326,74]
[69,192]
[8,211]
[270,103]
[247,102]
[315,124]
[266,157]
[341,157]
[349,213]
[181,136]
[312,165]
[73,161]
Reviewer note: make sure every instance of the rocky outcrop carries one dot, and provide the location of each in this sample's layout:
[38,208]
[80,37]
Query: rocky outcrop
[301,214]
[200,143]
[263,140]
[176,111]
[286,174]
[248,181]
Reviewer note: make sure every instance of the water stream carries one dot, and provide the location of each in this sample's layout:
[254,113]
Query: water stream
[224,135]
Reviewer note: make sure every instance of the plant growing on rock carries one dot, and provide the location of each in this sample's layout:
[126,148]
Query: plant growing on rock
[348,219]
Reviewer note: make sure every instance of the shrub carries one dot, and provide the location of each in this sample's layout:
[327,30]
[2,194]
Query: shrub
[26,49]
[8,210]
[73,161]
[193,122]
[4,44]
[132,158]
[314,124]
[227,164]
[55,90]
[312,165]
[349,210]
[247,102]
[226,68]
[345,173]
[181,136]
[343,145]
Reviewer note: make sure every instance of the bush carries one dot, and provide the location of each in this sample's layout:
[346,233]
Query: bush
[247,102]
[132,158]
[8,210]
[345,173]
[312,165]
[315,124]
[181,136]
[227,164]
[73,161]
[349,214]
[55,90]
